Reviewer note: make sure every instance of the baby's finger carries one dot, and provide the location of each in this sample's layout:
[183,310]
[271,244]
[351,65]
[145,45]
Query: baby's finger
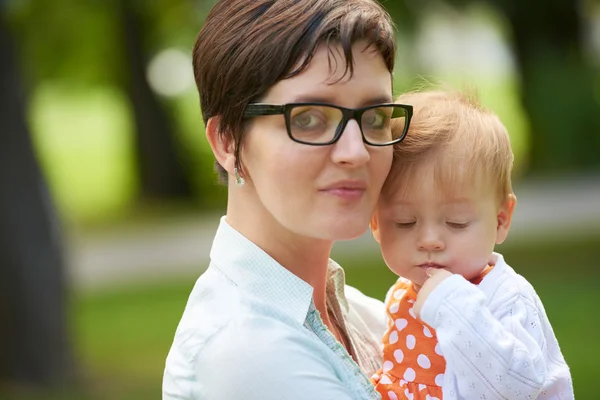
[430,272]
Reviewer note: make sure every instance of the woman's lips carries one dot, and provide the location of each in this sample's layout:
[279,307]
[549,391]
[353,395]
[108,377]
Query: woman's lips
[347,190]
[346,193]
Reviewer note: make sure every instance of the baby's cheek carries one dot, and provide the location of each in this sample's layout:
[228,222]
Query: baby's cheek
[469,266]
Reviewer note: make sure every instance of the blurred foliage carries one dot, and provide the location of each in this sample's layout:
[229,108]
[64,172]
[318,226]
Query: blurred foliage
[74,61]
[80,42]
[558,79]
[74,67]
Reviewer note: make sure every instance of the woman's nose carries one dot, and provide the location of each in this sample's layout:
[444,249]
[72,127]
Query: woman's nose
[350,148]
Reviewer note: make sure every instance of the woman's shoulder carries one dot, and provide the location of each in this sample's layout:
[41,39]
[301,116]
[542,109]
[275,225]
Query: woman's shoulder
[218,312]
[211,305]
[251,352]
[236,342]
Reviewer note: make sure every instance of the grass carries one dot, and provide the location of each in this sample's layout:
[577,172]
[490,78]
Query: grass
[122,336]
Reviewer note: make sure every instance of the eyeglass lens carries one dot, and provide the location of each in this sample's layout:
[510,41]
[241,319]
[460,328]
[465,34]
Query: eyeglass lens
[319,124]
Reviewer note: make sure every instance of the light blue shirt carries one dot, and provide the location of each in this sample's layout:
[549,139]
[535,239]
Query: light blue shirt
[250,331]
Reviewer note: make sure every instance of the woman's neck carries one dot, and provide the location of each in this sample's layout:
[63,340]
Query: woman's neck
[305,257]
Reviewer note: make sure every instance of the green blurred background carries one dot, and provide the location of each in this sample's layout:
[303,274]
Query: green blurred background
[108,199]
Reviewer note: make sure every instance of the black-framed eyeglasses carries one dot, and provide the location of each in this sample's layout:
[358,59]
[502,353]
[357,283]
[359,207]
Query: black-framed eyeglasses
[321,124]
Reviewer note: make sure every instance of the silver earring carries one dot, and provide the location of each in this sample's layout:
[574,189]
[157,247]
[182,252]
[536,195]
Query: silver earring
[238,179]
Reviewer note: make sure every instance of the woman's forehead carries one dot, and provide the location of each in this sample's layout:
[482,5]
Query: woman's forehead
[326,80]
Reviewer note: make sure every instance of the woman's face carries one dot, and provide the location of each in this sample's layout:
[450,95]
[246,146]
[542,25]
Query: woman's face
[324,192]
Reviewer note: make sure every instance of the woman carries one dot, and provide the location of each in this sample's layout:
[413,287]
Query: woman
[296,100]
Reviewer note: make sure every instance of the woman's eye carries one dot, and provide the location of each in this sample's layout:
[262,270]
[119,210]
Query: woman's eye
[306,121]
[405,225]
[375,120]
[457,225]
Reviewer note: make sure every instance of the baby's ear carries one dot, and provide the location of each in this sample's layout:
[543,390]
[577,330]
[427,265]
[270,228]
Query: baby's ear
[375,226]
[505,213]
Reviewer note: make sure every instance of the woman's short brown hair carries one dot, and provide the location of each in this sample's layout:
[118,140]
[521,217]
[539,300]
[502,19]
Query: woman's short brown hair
[245,47]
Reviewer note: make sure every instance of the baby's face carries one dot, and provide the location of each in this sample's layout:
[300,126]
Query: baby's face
[420,227]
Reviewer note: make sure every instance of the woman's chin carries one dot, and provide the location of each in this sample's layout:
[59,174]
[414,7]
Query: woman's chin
[348,231]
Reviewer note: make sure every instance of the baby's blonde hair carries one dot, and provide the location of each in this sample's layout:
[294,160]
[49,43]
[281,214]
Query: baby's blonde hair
[463,141]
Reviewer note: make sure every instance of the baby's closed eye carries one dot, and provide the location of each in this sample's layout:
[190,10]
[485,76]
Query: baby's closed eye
[457,225]
[405,225]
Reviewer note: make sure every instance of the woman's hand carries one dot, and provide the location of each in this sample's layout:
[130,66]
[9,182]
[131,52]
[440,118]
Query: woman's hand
[436,276]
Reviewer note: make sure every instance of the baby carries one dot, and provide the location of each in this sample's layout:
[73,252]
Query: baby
[462,323]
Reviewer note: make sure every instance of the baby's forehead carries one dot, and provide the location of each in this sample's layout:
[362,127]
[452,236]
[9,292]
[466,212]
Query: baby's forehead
[456,191]
[441,199]
[447,176]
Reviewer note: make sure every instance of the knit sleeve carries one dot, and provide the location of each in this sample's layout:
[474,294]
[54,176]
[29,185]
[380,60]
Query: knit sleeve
[498,355]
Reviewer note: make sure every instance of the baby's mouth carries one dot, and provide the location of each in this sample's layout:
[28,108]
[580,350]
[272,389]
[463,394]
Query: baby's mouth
[431,265]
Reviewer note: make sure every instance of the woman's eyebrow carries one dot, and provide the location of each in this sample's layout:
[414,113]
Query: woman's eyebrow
[379,100]
[312,98]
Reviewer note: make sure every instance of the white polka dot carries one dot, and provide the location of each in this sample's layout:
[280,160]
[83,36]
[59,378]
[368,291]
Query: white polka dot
[427,332]
[423,361]
[394,308]
[399,356]
[393,337]
[401,323]
[392,395]
[410,374]
[439,379]
[408,394]
[421,387]
[387,366]
[385,380]
[411,301]
[438,349]
[412,313]
[399,293]
[428,397]
[410,342]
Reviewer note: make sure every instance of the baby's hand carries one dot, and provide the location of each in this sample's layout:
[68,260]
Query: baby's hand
[436,276]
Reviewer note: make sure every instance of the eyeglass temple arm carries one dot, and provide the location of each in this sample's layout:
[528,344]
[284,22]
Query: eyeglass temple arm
[255,110]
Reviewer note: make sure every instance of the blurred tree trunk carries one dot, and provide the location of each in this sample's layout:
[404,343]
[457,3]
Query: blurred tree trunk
[160,167]
[557,85]
[34,346]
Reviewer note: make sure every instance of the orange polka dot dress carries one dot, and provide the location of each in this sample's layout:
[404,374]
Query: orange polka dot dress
[413,364]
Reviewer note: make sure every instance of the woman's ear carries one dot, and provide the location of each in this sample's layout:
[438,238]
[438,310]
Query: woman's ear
[375,226]
[505,214]
[222,147]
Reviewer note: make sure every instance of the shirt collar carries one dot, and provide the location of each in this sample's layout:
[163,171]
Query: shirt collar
[257,273]
[336,283]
